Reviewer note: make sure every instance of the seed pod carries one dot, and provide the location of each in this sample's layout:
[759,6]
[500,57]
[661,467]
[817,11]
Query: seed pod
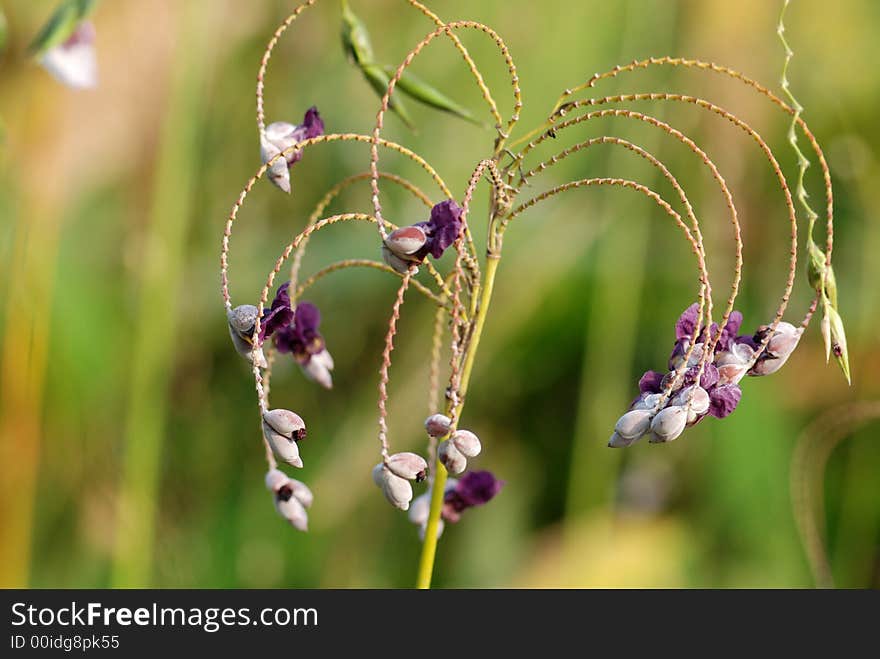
[633,424]
[467,443]
[438,425]
[451,457]
[291,509]
[397,490]
[617,441]
[695,400]
[408,465]
[647,402]
[668,424]
[400,265]
[406,240]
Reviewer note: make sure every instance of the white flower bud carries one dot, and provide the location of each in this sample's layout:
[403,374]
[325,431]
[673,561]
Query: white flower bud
[397,490]
[633,424]
[407,465]
[617,441]
[242,322]
[451,457]
[695,399]
[467,443]
[400,265]
[275,479]
[420,508]
[649,402]
[293,511]
[438,425]
[406,240]
[318,369]
[779,348]
[668,424]
[282,429]
[424,528]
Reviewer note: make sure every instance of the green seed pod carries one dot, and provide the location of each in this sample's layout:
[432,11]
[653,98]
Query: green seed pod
[355,38]
[838,342]
[421,91]
[379,80]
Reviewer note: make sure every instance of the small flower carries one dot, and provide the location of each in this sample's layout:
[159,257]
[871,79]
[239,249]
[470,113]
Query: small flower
[73,62]
[410,245]
[242,322]
[283,429]
[475,488]
[723,400]
[292,497]
[297,333]
[279,137]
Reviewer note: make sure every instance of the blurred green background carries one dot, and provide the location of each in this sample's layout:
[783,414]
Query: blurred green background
[131,453]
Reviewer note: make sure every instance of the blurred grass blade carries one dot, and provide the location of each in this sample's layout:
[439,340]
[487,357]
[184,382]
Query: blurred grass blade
[3,28]
[379,80]
[355,38]
[61,25]
[421,91]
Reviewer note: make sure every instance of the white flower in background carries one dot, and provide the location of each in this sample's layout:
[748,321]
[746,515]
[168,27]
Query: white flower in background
[73,62]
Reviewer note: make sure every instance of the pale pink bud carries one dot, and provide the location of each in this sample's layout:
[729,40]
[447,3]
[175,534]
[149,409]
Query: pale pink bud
[405,241]
[633,424]
[695,399]
[318,369]
[397,490]
[451,457]
[668,424]
[617,441]
[242,323]
[408,465]
[292,510]
[467,443]
[438,425]
[779,348]
[420,508]
[400,265]
[424,528]
[649,402]
[283,429]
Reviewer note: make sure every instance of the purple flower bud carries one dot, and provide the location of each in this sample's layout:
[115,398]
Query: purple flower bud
[408,465]
[668,424]
[723,400]
[687,322]
[467,443]
[73,62]
[633,425]
[707,379]
[451,458]
[650,382]
[438,425]
[444,227]
[475,488]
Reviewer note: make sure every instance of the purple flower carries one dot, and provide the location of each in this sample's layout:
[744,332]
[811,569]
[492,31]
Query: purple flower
[442,229]
[475,488]
[650,382]
[279,137]
[723,400]
[297,333]
[707,380]
[728,334]
[687,323]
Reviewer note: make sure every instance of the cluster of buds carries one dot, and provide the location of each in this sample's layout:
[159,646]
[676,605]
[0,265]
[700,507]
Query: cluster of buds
[670,402]
[454,451]
[283,431]
[394,474]
[408,246]
[291,498]
[475,488]
[281,137]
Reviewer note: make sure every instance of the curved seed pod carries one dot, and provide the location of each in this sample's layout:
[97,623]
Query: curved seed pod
[467,443]
[633,424]
[406,240]
[291,509]
[668,424]
[408,465]
[451,457]
[397,490]
[438,425]
[286,423]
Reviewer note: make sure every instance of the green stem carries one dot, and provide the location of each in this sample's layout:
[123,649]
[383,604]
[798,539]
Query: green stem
[429,547]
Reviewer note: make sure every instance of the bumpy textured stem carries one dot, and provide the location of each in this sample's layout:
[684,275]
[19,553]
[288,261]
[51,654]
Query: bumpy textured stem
[429,547]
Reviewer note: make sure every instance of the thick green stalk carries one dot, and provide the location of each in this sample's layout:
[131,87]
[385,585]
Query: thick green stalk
[429,547]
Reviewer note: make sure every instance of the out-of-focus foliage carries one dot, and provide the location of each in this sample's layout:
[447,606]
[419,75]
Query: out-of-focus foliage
[116,366]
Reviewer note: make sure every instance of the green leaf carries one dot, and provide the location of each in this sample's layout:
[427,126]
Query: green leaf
[421,91]
[61,25]
[379,80]
[355,38]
